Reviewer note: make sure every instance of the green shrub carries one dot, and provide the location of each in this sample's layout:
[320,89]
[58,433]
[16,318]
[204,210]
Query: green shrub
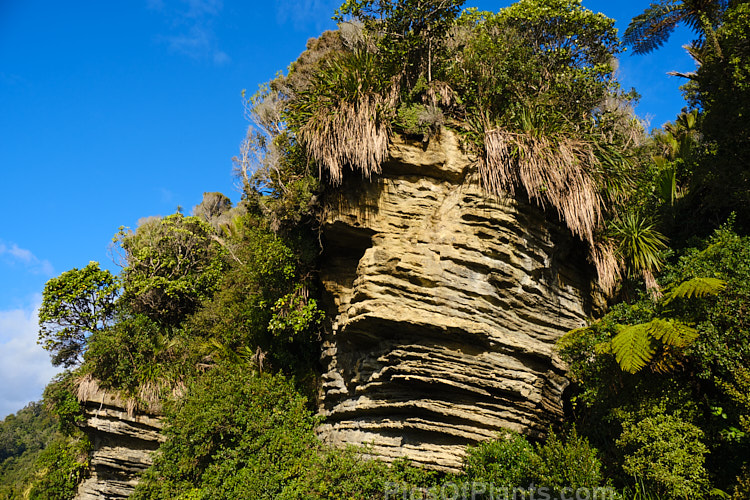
[667,454]
[418,119]
[348,473]
[135,353]
[569,463]
[742,489]
[173,264]
[23,437]
[61,400]
[264,301]
[505,461]
[234,435]
[60,468]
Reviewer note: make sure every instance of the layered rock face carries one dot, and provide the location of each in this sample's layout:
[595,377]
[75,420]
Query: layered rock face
[122,446]
[446,305]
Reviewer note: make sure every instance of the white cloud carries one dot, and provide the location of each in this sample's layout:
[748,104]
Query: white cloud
[25,367]
[12,254]
[192,25]
[302,13]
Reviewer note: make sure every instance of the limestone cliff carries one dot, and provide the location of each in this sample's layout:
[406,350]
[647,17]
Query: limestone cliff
[122,444]
[445,306]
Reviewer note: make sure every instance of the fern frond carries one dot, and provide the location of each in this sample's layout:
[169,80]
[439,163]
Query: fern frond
[668,361]
[651,29]
[671,332]
[570,337]
[603,348]
[633,347]
[696,287]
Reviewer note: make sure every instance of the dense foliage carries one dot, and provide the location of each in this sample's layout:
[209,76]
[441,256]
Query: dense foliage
[23,436]
[76,303]
[215,317]
[36,460]
[678,422]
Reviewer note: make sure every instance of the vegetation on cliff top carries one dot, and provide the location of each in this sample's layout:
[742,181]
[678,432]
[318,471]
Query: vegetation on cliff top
[214,318]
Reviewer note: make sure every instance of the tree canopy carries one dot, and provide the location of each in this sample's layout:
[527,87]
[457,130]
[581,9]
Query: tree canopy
[76,304]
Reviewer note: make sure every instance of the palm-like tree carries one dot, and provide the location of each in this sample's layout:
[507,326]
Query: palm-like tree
[649,30]
[639,245]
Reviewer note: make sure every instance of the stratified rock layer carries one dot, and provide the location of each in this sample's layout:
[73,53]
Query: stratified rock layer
[446,305]
[122,446]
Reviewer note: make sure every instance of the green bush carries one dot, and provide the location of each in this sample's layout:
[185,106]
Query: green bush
[23,437]
[568,463]
[235,434]
[135,353]
[60,468]
[667,454]
[347,473]
[60,398]
[173,264]
[263,301]
[505,461]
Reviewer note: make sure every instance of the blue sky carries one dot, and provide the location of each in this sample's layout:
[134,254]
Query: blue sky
[113,111]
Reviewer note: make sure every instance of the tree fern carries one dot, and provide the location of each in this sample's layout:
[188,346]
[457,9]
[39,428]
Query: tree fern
[651,29]
[633,347]
[695,287]
[671,332]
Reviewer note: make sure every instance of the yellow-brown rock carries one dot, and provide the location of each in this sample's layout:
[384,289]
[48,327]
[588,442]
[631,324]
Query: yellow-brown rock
[123,443]
[445,305]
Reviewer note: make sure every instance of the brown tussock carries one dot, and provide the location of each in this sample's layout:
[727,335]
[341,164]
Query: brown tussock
[553,170]
[350,134]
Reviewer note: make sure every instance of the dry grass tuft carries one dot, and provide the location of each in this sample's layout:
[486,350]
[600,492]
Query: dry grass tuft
[148,397]
[88,387]
[604,257]
[351,134]
[553,170]
[440,94]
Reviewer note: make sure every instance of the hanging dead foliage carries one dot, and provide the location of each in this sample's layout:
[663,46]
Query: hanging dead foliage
[553,169]
[608,268]
[348,135]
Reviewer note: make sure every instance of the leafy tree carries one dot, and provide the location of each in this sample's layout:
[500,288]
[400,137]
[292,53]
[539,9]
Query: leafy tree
[534,80]
[74,305]
[172,265]
[212,205]
[215,208]
[263,302]
[413,30]
[720,87]
[547,56]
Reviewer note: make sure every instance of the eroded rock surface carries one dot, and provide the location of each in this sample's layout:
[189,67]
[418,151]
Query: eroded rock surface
[446,304]
[122,446]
